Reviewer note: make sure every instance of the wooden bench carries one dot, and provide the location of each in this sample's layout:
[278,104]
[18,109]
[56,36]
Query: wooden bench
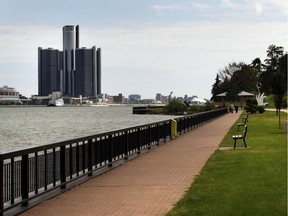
[244,117]
[243,123]
[243,137]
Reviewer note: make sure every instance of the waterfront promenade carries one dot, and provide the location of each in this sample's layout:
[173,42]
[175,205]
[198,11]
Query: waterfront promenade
[148,185]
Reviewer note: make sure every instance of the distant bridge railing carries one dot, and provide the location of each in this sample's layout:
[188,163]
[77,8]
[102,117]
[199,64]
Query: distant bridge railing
[26,175]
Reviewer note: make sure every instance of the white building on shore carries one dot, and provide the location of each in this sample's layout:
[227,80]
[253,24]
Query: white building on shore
[8,94]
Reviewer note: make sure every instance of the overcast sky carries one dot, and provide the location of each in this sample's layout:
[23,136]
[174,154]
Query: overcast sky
[148,46]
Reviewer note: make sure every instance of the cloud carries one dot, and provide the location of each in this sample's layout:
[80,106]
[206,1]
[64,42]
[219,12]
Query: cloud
[17,41]
[200,5]
[162,9]
[258,7]
[276,5]
[269,7]
[167,8]
[246,10]
[227,4]
[183,55]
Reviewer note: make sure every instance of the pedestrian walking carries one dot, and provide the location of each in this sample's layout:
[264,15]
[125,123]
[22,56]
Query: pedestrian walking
[231,108]
[236,108]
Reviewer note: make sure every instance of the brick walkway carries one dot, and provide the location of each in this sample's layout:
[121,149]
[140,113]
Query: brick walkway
[148,185]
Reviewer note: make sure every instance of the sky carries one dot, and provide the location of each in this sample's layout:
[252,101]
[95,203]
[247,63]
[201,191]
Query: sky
[148,46]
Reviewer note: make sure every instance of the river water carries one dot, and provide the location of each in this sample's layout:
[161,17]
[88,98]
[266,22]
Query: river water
[22,127]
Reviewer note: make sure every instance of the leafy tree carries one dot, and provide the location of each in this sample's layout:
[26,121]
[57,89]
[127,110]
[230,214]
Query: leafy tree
[278,84]
[274,53]
[245,79]
[232,93]
[257,65]
[216,88]
[175,107]
[229,70]
[234,78]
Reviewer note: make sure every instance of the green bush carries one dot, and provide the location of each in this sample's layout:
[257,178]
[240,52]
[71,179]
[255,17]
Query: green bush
[261,109]
[175,107]
[252,107]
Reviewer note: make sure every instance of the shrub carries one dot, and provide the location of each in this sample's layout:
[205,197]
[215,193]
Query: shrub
[261,109]
[252,108]
[175,107]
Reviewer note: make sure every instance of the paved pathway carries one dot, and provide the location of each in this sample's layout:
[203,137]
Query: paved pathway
[148,185]
[282,110]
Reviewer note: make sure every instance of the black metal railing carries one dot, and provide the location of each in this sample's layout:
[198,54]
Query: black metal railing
[30,173]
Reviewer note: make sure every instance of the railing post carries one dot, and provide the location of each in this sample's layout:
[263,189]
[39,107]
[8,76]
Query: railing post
[70,161]
[83,157]
[90,157]
[139,141]
[36,173]
[25,179]
[149,137]
[158,134]
[62,167]
[54,167]
[1,188]
[77,159]
[12,192]
[110,161]
[45,170]
[126,140]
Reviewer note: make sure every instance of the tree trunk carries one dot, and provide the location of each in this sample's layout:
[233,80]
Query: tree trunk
[279,119]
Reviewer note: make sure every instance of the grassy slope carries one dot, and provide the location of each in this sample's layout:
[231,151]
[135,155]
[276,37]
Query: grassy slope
[250,181]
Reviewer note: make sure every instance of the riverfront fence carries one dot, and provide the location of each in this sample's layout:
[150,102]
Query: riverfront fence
[31,173]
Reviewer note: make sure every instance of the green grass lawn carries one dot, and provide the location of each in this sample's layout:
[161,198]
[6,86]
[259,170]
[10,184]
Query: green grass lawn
[250,181]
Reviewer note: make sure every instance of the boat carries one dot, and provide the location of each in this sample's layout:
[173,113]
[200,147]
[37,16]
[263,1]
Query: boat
[58,102]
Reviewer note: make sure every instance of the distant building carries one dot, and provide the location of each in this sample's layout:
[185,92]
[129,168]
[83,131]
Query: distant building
[117,99]
[85,75]
[74,71]
[160,97]
[134,97]
[8,93]
[49,70]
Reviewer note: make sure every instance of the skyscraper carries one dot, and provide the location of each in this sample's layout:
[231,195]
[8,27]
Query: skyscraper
[49,70]
[75,71]
[86,72]
[69,46]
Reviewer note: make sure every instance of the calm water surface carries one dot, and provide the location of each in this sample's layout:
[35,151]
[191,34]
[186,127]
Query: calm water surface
[22,127]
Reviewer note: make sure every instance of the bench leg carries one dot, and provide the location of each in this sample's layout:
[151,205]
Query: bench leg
[244,143]
[235,143]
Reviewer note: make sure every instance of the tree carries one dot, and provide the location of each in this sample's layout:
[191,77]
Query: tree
[278,84]
[274,53]
[236,77]
[175,107]
[257,65]
[232,93]
[216,88]
[245,79]
[229,70]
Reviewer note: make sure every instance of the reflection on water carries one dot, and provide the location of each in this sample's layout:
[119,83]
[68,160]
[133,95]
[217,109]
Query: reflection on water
[31,126]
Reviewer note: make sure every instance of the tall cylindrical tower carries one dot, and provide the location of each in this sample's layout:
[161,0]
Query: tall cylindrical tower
[99,71]
[69,45]
[77,37]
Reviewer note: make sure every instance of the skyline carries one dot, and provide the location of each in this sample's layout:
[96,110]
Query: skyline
[148,47]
